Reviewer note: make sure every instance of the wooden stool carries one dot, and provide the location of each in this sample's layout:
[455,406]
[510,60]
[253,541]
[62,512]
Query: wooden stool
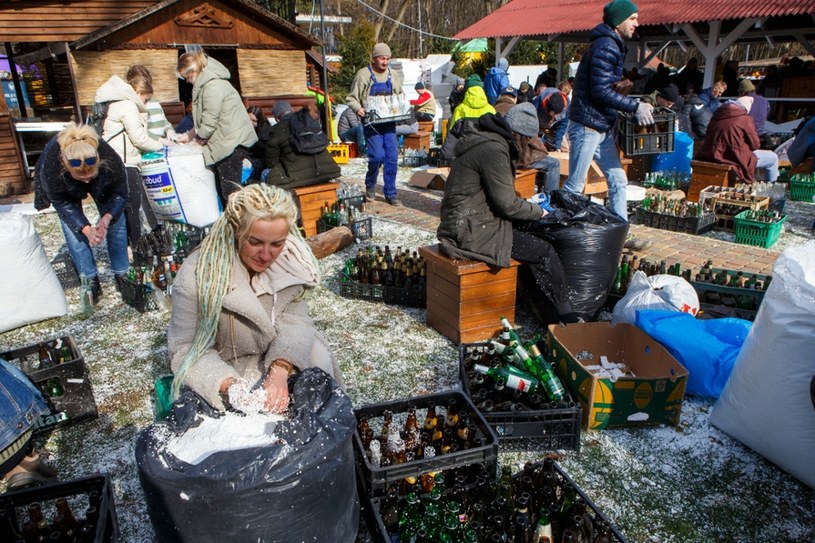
[705,174]
[525,183]
[419,140]
[311,200]
[426,126]
[466,298]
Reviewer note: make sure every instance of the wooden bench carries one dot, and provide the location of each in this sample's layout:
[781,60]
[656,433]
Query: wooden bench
[466,298]
[525,183]
[705,174]
[311,200]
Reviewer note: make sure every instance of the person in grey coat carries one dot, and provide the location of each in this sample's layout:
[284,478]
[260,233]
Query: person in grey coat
[480,205]
[240,324]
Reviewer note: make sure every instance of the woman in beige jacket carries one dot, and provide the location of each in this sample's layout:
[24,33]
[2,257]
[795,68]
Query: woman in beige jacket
[239,319]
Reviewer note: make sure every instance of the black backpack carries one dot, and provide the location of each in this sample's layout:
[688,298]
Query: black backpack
[96,118]
[305,134]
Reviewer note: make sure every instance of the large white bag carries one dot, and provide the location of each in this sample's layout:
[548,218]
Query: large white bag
[766,404]
[662,292]
[30,288]
[179,185]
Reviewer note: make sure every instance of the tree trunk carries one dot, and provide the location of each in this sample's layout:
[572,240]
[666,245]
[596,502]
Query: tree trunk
[331,241]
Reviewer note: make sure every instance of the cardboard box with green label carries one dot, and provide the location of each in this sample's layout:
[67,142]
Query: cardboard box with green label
[650,393]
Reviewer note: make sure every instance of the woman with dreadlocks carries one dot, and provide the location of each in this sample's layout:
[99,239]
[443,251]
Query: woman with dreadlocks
[239,320]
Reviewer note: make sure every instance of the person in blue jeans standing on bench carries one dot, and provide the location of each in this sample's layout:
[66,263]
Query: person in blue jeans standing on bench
[595,104]
[378,79]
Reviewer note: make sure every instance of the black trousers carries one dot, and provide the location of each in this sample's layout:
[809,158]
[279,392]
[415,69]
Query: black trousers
[545,268]
[228,172]
[138,208]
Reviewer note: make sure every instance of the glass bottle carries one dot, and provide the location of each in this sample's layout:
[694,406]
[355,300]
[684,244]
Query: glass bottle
[86,307]
[366,435]
[543,529]
[514,379]
[412,436]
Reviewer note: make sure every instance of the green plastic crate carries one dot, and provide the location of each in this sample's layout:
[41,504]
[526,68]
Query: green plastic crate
[760,234]
[802,187]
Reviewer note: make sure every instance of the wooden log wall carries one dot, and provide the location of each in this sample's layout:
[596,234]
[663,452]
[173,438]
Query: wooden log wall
[93,68]
[267,72]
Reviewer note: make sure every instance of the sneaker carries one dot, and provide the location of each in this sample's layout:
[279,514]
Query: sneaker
[370,194]
[637,244]
[393,201]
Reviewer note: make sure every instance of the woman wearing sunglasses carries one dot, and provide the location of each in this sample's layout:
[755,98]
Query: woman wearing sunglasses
[75,164]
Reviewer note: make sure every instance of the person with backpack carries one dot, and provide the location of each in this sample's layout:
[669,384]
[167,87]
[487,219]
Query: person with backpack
[377,79]
[120,117]
[158,126]
[290,162]
[222,125]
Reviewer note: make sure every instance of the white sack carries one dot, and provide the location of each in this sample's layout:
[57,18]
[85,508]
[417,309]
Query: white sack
[660,292]
[179,186]
[766,404]
[30,288]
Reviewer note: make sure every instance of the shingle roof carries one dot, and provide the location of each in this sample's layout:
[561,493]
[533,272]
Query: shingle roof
[536,18]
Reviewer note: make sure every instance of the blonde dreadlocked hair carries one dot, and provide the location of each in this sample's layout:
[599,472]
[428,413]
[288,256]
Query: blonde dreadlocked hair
[219,250]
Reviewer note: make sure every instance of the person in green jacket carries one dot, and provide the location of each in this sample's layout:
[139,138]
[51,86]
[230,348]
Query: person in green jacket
[222,125]
[475,104]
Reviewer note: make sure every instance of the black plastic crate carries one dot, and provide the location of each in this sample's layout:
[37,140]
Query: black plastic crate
[150,245]
[381,534]
[376,481]
[688,225]
[411,297]
[539,429]
[64,267]
[361,229]
[703,288]
[413,161]
[658,139]
[352,201]
[90,500]
[436,159]
[76,402]
[137,295]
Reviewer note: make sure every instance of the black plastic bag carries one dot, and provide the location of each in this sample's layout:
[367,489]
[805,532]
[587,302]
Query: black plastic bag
[302,491]
[589,240]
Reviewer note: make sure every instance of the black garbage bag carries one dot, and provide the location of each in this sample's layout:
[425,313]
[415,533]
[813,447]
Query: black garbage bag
[302,491]
[589,240]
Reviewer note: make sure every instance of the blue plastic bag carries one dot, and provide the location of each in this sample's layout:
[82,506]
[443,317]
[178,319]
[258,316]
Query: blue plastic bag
[707,348]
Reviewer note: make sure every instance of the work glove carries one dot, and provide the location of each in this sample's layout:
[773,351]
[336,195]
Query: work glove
[644,114]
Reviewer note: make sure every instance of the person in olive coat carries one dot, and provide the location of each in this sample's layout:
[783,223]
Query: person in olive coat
[286,167]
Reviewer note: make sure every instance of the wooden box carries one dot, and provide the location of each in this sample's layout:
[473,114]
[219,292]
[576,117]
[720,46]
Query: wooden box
[525,183]
[466,298]
[419,140]
[311,200]
[426,126]
[595,181]
[705,174]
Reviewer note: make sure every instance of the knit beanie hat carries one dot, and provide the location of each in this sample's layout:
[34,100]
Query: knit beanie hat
[523,119]
[473,81]
[556,103]
[381,50]
[746,86]
[419,85]
[670,93]
[746,102]
[281,109]
[459,81]
[618,11]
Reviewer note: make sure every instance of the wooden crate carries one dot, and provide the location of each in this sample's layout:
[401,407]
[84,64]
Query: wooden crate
[525,183]
[426,126]
[311,200]
[419,140]
[705,174]
[595,181]
[466,298]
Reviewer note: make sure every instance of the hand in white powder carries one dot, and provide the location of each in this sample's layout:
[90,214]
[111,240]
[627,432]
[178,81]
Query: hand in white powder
[244,399]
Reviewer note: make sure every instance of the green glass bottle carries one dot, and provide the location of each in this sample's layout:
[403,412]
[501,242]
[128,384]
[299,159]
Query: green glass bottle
[53,388]
[544,372]
[543,530]
[411,519]
[513,378]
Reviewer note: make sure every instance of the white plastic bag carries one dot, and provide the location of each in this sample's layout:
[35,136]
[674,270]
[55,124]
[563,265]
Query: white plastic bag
[30,288]
[666,292]
[766,403]
[179,185]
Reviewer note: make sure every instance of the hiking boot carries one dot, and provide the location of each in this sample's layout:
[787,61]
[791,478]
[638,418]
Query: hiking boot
[637,244]
[393,201]
[370,194]
[96,289]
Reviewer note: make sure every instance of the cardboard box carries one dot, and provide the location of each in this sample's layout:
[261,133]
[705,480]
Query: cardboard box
[652,396]
[430,178]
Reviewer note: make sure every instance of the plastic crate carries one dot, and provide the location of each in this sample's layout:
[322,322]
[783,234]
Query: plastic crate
[411,297]
[536,429]
[702,288]
[64,267]
[143,251]
[76,402]
[802,188]
[660,136]
[376,480]
[340,152]
[362,229]
[690,225]
[760,234]
[137,295]
[413,161]
[81,495]
[382,535]
[436,159]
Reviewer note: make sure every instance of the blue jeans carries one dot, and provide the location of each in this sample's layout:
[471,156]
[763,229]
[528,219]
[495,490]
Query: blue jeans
[20,404]
[383,150]
[357,135]
[551,167]
[82,254]
[767,165]
[585,145]
[558,131]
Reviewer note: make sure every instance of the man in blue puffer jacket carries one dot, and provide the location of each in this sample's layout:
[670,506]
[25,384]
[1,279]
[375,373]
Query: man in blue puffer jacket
[595,104]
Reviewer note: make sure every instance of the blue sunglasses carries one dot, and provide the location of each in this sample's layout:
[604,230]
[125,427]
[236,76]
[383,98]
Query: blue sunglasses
[76,162]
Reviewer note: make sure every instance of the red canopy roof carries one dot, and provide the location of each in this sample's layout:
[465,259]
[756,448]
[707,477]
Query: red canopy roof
[537,18]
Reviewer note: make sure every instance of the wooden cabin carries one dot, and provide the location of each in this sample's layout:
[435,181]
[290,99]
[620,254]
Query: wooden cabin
[76,46]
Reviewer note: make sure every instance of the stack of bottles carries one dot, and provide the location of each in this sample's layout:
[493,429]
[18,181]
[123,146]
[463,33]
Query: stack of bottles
[666,180]
[376,266]
[35,523]
[763,215]
[403,438]
[728,278]
[168,238]
[538,505]
[390,108]
[47,355]
[510,375]
[659,203]
[626,269]
[342,212]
